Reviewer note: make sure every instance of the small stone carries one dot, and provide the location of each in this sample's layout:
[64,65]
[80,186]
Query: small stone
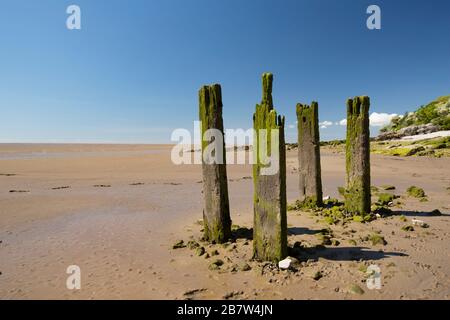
[214,253]
[200,251]
[192,244]
[420,223]
[289,263]
[335,242]
[216,264]
[317,275]
[355,289]
[408,228]
[245,267]
[179,244]
[435,212]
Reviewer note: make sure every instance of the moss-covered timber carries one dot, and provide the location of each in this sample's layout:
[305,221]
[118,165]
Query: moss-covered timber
[216,211]
[270,222]
[357,193]
[310,181]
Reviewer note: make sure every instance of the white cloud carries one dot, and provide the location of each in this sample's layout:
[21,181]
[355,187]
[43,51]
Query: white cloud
[376,119]
[381,119]
[325,124]
[291,126]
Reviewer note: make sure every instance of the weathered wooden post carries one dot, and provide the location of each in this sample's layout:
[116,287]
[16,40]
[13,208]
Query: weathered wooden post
[216,212]
[357,193]
[309,155]
[270,225]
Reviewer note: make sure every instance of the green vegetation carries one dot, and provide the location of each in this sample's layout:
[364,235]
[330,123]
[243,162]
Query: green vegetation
[437,113]
[377,239]
[408,228]
[385,198]
[415,192]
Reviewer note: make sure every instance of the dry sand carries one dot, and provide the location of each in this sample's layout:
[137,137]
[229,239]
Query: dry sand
[116,210]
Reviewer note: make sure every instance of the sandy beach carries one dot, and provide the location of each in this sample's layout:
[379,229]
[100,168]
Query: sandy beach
[116,210]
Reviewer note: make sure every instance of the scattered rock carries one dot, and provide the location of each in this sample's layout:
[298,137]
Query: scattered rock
[335,242]
[192,244]
[289,263]
[325,239]
[245,267]
[355,289]
[435,213]
[420,223]
[214,252]
[194,291]
[317,275]
[179,244]
[377,239]
[200,251]
[408,228]
[232,294]
[216,264]
[387,187]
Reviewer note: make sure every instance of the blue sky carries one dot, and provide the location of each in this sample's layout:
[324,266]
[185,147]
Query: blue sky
[132,73]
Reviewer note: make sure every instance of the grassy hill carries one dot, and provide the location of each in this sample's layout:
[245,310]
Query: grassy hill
[436,112]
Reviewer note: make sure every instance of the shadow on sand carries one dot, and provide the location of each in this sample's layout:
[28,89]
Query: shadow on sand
[319,251]
[342,254]
[430,214]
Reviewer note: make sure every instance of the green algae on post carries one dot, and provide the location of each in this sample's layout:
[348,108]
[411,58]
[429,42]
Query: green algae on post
[216,212]
[310,181]
[270,221]
[357,193]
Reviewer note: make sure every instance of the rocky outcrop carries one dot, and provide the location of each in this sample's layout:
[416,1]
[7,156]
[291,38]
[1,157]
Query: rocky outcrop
[408,131]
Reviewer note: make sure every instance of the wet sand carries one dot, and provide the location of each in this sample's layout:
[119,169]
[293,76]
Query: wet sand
[116,210]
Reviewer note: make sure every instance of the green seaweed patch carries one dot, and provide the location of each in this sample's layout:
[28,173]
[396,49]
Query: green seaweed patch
[415,192]
[408,228]
[215,265]
[377,239]
[363,218]
[355,289]
[386,198]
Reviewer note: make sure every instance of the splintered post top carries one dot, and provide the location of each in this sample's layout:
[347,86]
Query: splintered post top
[267,89]
[358,105]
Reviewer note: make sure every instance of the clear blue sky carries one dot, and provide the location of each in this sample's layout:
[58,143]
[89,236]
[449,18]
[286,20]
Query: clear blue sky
[133,72]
